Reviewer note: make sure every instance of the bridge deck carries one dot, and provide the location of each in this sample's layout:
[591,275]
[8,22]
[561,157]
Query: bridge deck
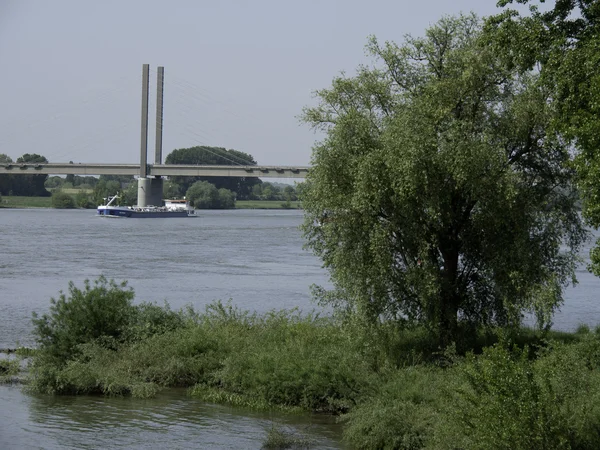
[155,170]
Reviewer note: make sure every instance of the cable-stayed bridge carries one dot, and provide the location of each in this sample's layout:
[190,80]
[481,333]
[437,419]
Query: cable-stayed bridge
[150,181]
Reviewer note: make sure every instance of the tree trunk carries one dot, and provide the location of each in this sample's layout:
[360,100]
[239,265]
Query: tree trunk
[449,300]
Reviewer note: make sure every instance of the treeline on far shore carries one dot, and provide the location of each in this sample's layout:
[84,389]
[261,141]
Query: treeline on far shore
[16,201]
[391,386]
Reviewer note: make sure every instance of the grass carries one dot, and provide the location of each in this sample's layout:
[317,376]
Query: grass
[17,201]
[14,201]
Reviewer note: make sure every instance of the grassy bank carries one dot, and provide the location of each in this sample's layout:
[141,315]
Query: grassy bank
[46,202]
[15,201]
[267,204]
[392,387]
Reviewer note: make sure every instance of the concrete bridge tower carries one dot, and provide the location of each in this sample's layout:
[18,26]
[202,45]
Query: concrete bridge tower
[150,190]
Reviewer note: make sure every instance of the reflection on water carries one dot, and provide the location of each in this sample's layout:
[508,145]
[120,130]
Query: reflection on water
[171,420]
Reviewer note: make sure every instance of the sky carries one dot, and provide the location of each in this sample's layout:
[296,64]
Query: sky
[237,73]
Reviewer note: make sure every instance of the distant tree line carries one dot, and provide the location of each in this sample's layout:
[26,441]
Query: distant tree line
[202,192]
[25,185]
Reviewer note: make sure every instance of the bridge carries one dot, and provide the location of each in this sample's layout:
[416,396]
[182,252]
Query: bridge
[150,181]
[157,170]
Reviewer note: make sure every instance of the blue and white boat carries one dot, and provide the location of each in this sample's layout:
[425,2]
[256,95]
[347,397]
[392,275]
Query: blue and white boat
[171,208]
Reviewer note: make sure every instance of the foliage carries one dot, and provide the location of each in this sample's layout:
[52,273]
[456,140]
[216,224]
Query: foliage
[504,399]
[27,202]
[204,155]
[83,200]
[279,438]
[269,191]
[23,185]
[101,310]
[204,195]
[439,191]
[264,204]
[226,199]
[563,44]
[171,189]
[8,369]
[402,415]
[62,200]
[394,388]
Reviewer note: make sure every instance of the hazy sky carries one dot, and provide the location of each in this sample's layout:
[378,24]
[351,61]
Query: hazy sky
[237,73]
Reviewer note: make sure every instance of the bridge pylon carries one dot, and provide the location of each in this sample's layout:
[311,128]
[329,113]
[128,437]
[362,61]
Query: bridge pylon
[150,190]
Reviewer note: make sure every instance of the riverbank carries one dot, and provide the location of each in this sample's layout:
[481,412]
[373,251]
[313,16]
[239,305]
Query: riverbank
[391,387]
[14,201]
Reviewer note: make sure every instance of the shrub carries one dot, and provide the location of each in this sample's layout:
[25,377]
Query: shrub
[83,200]
[8,369]
[101,310]
[62,200]
[504,399]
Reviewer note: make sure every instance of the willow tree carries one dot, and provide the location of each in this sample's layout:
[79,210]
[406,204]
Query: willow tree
[563,43]
[438,196]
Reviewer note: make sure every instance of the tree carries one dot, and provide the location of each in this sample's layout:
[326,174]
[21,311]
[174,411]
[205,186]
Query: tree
[226,199]
[27,185]
[203,195]
[204,155]
[171,189]
[564,45]
[5,179]
[439,194]
[62,200]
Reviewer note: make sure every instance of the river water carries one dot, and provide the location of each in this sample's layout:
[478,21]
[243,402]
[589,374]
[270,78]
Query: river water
[253,257]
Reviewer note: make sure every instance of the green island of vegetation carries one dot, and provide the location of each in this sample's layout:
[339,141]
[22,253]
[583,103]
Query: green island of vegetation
[444,202]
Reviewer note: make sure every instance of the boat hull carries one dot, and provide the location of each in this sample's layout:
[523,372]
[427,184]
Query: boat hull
[114,212]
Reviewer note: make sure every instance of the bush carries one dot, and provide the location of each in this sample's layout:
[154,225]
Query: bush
[102,310]
[83,200]
[504,399]
[62,200]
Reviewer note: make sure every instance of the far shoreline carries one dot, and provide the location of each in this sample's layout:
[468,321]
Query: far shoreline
[21,202]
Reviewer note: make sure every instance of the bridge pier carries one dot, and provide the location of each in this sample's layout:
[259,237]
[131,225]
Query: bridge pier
[150,191]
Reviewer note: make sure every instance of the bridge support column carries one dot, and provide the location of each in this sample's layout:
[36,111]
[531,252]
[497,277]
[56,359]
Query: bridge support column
[150,191]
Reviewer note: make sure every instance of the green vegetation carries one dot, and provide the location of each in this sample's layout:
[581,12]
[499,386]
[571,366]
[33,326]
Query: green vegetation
[242,186]
[62,200]
[448,198]
[23,185]
[266,204]
[9,368]
[17,201]
[82,199]
[562,45]
[279,438]
[392,386]
[204,195]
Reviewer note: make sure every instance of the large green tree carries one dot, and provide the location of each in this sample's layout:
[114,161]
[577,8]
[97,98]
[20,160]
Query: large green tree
[201,155]
[204,195]
[439,195]
[563,44]
[30,185]
[5,179]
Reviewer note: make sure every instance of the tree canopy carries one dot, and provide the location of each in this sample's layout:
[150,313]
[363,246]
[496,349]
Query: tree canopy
[204,155]
[563,44]
[204,195]
[440,195]
[27,185]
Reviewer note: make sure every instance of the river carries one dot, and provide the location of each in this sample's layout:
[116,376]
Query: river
[253,257]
